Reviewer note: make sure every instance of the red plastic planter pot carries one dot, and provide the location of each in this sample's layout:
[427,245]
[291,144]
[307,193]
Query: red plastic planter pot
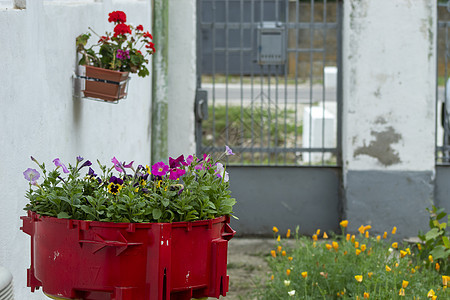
[128,261]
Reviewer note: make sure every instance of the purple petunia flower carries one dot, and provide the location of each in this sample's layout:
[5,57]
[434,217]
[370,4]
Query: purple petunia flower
[79,158]
[220,172]
[91,172]
[160,169]
[228,150]
[176,173]
[189,160]
[86,164]
[117,165]
[58,163]
[31,175]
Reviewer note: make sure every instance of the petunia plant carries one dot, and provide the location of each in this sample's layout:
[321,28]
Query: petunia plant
[125,49]
[186,189]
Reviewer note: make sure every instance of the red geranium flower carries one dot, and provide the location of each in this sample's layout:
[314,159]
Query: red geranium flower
[150,45]
[121,29]
[103,39]
[148,35]
[140,27]
[117,17]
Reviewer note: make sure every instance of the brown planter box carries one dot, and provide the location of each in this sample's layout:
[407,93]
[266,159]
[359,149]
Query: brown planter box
[105,84]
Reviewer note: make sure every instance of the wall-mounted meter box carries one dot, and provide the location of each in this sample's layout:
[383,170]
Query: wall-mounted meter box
[271,44]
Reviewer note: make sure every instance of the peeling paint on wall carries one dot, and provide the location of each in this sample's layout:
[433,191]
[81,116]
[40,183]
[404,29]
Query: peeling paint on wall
[380,148]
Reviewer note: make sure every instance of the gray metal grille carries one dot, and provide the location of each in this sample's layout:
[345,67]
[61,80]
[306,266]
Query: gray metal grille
[443,85]
[271,71]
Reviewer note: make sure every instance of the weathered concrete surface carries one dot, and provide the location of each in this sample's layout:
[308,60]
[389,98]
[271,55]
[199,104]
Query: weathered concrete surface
[285,197]
[385,199]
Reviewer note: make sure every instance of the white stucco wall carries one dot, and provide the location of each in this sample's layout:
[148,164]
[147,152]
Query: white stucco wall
[389,84]
[182,76]
[40,117]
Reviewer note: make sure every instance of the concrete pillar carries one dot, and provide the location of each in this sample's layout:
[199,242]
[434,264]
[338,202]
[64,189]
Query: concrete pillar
[389,80]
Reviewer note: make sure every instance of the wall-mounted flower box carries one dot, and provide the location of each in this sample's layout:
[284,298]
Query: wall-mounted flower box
[115,55]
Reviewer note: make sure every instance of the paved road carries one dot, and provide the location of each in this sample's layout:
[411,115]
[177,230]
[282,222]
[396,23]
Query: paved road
[235,92]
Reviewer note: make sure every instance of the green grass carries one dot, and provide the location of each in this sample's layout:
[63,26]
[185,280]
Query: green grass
[253,127]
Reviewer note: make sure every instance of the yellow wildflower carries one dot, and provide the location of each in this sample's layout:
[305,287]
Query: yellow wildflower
[366,295]
[413,270]
[408,251]
[419,246]
[445,280]
[353,238]
[405,284]
[394,230]
[274,254]
[314,244]
[345,252]
[335,245]
[279,248]
[396,265]
[328,246]
[288,234]
[344,223]
[370,274]
[437,266]
[363,247]
[367,234]
[347,237]
[358,252]
[385,235]
[401,292]
[367,227]
[361,229]
[304,274]
[325,235]
[290,258]
[359,278]
[403,253]
[395,245]
[388,269]
[430,258]
[378,238]
[431,294]
[278,238]
[314,237]
[275,229]
[317,231]
[283,253]
[288,272]
[356,244]
[272,277]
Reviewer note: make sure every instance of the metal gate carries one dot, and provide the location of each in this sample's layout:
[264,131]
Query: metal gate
[269,81]
[443,85]
[269,86]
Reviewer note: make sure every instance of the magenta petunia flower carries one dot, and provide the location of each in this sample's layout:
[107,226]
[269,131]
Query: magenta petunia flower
[173,163]
[117,165]
[58,163]
[31,175]
[129,166]
[160,169]
[189,160]
[176,173]
[228,150]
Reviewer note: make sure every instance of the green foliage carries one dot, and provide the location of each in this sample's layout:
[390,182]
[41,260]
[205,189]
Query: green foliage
[346,267]
[436,241]
[132,195]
